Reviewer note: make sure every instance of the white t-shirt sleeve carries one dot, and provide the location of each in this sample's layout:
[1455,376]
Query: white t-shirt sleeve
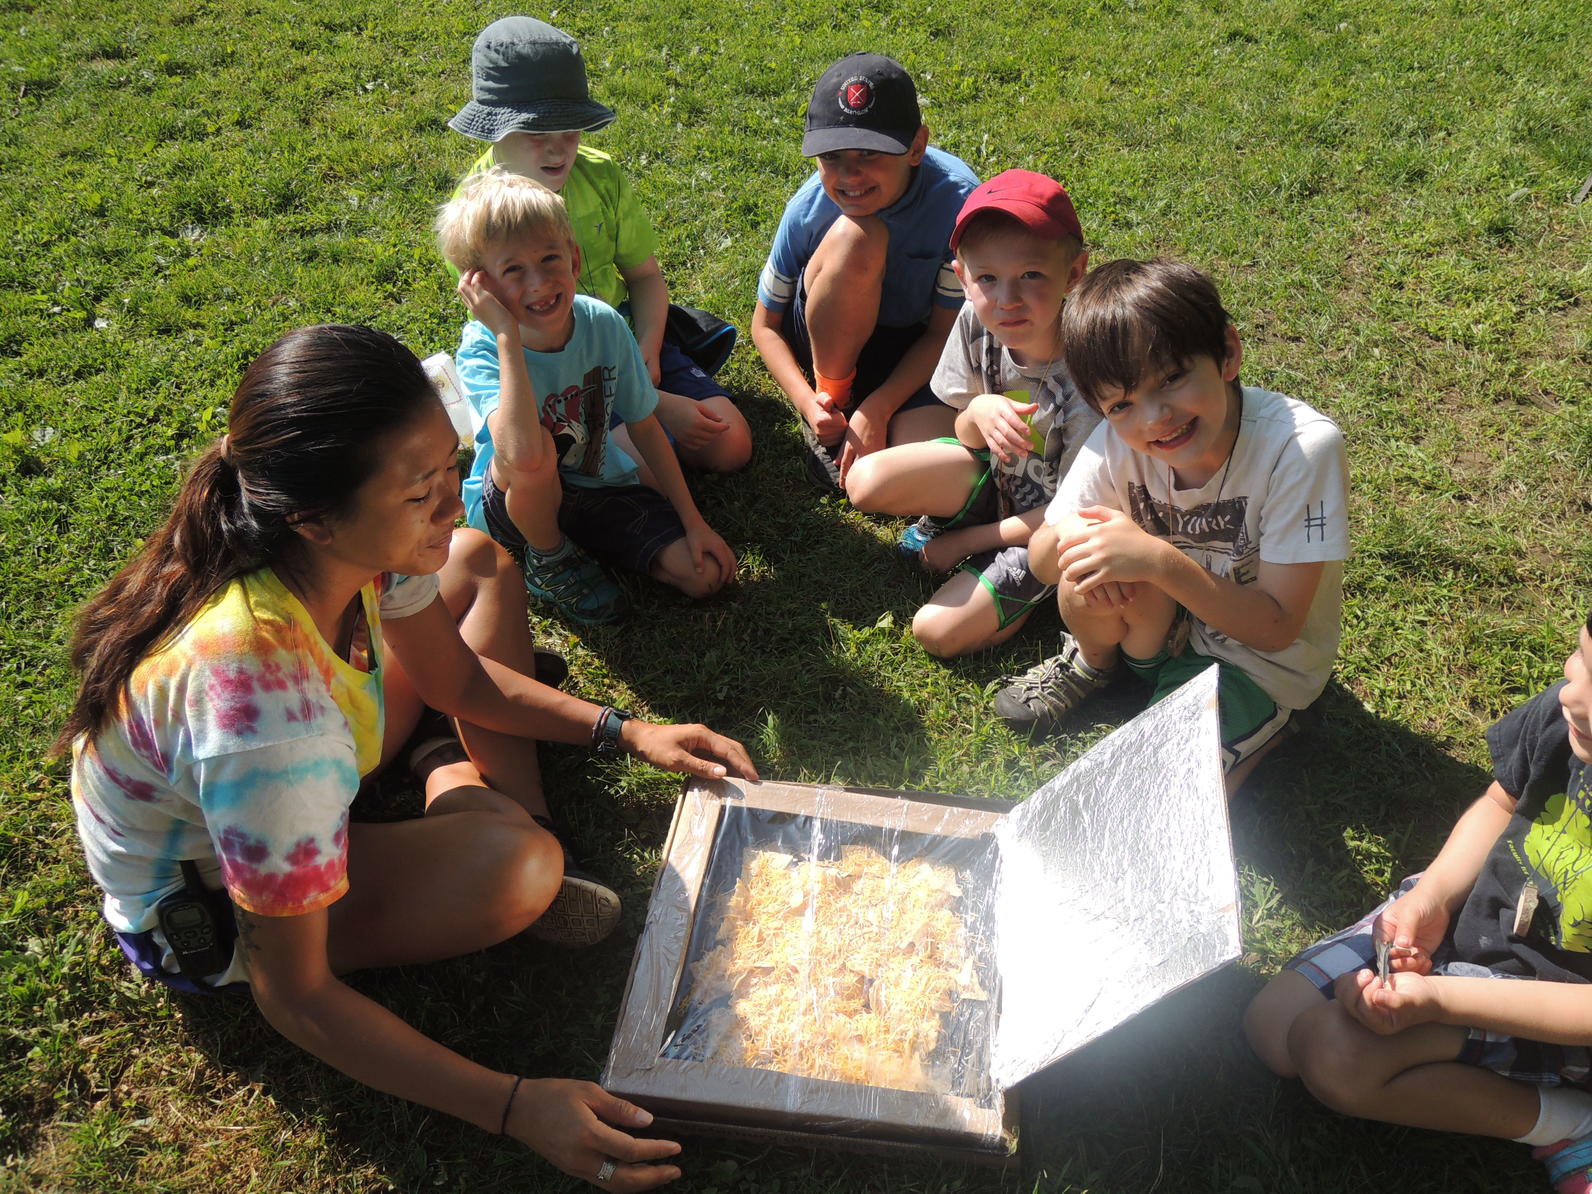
[958,377]
[1305,516]
[1087,481]
[403,596]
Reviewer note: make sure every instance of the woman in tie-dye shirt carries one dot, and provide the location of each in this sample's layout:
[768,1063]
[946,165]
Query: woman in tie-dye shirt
[272,645]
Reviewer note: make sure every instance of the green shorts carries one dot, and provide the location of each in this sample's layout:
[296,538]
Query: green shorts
[1249,717]
[1002,571]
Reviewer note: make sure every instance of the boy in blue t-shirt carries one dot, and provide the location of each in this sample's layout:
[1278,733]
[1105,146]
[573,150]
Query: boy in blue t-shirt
[547,369]
[529,99]
[858,295]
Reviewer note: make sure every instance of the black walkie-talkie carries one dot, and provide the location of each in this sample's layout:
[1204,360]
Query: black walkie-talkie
[189,921]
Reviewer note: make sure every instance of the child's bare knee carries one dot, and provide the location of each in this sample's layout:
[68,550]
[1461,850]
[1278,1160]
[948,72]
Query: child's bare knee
[851,248]
[675,568]
[1328,1050]
[864,482]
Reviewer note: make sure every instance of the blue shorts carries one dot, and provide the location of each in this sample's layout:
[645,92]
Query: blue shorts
[625,526]
[878,359]
[679,374]
[1537,1062]
[147,951]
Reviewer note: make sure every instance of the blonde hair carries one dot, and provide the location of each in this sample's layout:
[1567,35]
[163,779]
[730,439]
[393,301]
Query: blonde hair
[498,207]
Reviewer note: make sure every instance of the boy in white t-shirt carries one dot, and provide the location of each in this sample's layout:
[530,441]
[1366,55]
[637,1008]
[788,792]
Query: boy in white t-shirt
[1204,521]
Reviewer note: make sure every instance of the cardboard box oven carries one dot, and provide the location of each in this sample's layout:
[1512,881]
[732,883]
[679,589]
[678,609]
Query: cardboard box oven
[1107,889]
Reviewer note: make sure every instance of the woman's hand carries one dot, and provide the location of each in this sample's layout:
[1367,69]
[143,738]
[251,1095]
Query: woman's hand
[576,1126]
[688,749]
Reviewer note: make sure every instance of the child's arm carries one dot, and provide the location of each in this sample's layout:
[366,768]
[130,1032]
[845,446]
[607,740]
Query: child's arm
[819,410]
[995,422]
[521,443]
[868,426]
[1558,1013]
[1109,547]
[948,547]
[649,310]
[653,447]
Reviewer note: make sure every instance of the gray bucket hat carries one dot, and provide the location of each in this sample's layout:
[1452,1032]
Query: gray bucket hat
[527,77]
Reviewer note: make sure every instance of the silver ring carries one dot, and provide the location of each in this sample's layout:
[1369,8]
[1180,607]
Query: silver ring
[606,1170]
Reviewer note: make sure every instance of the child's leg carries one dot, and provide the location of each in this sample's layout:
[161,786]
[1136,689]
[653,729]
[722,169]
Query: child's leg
[917,478]
[1139,626]
[1411,1077]
[844,281]
[674,566]
[964,616]
[726,450]
[919,423]
[531,498]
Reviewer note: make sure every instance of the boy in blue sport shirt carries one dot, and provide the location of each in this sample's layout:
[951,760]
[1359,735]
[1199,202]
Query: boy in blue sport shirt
[1440,1042]
[530,100]
[547,368]
[1203,522]
[858,294]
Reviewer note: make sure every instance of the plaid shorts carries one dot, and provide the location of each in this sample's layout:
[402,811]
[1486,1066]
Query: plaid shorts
[1537,1062]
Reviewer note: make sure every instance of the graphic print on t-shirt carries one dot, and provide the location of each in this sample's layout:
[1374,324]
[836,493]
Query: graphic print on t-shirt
[1557,861]
[1213,534]
[577,419]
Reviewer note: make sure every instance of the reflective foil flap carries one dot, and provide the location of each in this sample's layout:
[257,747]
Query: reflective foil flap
[1116,883]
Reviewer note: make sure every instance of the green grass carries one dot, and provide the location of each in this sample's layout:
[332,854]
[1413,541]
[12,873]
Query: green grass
[1383,191]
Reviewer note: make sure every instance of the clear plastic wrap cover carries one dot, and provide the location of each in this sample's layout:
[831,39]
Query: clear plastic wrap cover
[1116,884]
[841,951]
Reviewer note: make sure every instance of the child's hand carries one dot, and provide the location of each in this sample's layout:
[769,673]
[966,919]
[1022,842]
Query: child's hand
[1112,595]
[705,543]
[1003,425]
[864,435]
[692,424]
[1409,1000]
[480,295]
[1414,926]
[827,418]
[1111,547]
[944,552]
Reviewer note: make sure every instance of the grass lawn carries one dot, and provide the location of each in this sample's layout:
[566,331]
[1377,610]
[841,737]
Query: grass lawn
[1384,191]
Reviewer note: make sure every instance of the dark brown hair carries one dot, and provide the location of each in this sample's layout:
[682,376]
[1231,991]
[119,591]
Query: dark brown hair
[1127,318]
[304,432]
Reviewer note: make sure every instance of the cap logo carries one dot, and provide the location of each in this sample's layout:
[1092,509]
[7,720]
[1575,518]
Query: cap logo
[856,96]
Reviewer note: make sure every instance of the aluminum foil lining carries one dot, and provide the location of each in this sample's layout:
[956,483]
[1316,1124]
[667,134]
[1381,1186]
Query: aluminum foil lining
[1116,883]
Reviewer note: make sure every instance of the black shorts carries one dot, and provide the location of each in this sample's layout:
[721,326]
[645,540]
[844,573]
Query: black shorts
[625,526]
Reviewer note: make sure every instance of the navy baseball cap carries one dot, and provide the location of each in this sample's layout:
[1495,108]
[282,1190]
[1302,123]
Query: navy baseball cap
[864,101]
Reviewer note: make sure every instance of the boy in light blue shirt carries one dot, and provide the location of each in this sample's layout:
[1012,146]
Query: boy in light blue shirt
[547,369]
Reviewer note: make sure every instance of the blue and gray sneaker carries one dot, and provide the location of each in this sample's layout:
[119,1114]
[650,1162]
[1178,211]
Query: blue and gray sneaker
[572,583]
[916,537]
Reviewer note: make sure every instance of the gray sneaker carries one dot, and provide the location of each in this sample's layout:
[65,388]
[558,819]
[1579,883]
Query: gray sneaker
[1047,692]
[585,910]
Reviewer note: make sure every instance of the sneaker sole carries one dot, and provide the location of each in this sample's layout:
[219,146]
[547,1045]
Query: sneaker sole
[583,913]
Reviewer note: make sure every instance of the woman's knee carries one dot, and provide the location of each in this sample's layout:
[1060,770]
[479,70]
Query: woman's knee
[525,866]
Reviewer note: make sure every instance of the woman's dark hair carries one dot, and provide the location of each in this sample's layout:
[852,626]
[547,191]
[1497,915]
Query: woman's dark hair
[303,434]
[1128,318]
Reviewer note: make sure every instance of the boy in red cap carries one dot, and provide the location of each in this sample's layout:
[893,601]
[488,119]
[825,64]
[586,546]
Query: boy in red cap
[857,296]
[1019,249]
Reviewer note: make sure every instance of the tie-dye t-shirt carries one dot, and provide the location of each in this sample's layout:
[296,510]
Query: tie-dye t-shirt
[240,743]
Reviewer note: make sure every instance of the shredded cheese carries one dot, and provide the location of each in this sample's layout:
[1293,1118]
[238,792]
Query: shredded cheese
[841,970]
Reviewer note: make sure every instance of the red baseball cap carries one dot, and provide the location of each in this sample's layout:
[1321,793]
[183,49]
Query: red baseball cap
[1039,203]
